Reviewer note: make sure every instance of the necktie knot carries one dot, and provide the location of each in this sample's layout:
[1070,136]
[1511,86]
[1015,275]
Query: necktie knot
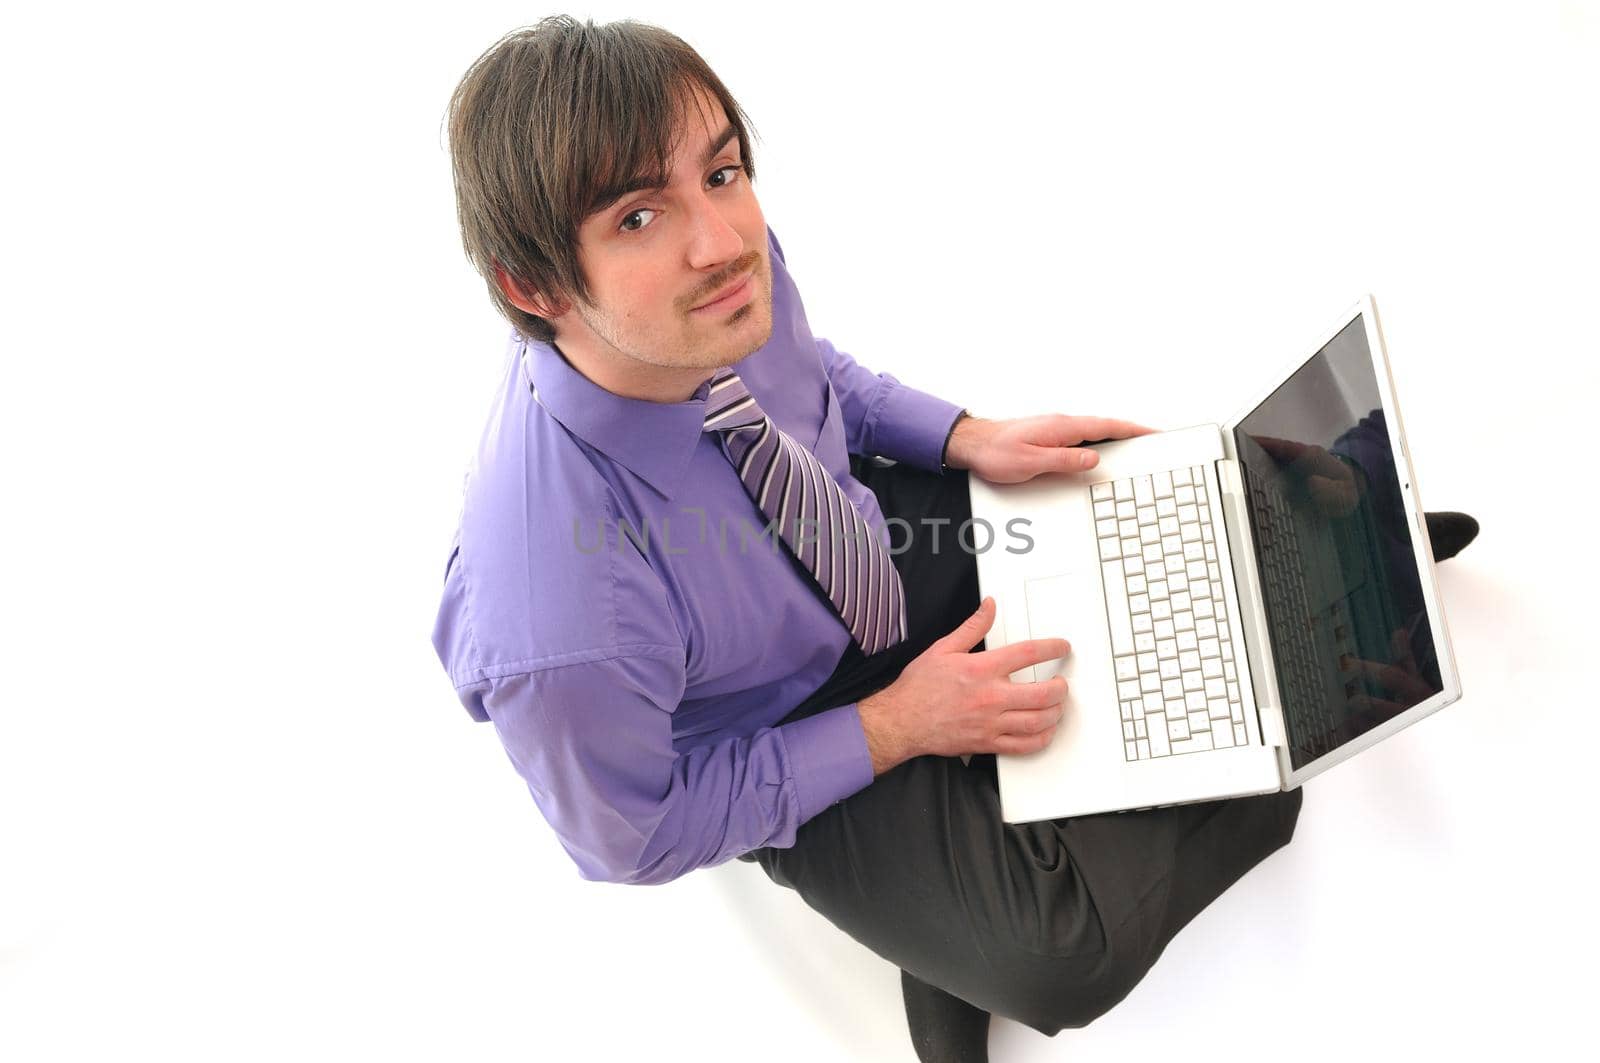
[729,404]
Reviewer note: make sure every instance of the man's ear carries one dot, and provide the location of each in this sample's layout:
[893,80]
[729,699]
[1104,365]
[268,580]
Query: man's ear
[524,298]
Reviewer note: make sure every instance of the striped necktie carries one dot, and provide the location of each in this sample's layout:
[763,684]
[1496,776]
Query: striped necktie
[790,486]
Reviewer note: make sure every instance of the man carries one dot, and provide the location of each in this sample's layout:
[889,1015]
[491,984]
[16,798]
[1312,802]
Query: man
[672,592]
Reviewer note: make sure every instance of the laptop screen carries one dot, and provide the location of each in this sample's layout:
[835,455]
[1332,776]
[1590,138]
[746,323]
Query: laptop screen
[1338,570]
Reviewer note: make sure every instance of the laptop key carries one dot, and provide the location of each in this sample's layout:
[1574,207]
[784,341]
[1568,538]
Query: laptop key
[1162,582]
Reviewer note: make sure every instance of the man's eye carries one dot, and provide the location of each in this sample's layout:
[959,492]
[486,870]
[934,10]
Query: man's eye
[632,214]
[733,177]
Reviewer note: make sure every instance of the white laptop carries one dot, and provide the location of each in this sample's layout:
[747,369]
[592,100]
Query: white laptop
[1248,603]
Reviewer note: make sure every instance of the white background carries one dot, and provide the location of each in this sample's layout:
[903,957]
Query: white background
[242,815]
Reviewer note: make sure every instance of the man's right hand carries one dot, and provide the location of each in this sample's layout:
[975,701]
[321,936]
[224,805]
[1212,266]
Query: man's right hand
[949,701]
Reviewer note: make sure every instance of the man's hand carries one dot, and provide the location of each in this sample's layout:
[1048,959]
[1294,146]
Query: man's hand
[949,701]
[1018,449]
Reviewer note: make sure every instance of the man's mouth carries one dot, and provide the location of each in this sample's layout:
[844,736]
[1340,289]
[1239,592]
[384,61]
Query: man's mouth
[729,298]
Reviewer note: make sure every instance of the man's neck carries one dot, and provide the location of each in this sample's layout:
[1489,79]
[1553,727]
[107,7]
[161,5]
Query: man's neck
[633,379]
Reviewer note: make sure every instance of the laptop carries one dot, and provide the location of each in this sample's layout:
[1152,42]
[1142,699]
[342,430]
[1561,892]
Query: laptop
[1248,604]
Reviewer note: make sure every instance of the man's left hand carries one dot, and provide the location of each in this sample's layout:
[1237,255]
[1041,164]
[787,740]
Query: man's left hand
[1020,448]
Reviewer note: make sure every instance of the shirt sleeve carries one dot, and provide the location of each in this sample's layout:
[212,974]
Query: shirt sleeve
[883,416]
[590,732]
[593,741]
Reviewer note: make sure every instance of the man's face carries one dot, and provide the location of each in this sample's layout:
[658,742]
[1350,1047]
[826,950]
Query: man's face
[653,259]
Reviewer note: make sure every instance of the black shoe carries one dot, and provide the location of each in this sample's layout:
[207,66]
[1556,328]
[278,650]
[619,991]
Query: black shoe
[1450,533]
[944,1028]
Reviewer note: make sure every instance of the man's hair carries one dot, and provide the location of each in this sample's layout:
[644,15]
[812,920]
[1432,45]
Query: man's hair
[547,125]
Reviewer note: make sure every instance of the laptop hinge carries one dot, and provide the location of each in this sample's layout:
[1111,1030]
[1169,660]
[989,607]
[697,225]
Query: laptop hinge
[1269,714]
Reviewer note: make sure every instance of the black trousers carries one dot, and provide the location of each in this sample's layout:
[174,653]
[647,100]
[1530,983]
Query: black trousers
[1050,924]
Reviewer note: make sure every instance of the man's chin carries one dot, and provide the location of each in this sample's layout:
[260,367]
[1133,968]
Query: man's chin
[736,349]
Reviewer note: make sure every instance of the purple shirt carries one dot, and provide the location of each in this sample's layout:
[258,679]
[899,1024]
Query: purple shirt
[635,674]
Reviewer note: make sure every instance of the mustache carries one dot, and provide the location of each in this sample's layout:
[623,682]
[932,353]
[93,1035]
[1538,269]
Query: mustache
[744,264]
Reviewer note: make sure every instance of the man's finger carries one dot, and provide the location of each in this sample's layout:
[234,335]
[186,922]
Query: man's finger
[1008,659]
[971,630]
[1104,428]
[1063,459]
[1068,430]
[1044,712]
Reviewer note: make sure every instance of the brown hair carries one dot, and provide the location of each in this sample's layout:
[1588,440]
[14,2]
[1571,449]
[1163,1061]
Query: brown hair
[546,125]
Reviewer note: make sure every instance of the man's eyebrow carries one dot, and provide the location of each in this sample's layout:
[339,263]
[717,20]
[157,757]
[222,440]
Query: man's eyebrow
[608,196]
[717,145]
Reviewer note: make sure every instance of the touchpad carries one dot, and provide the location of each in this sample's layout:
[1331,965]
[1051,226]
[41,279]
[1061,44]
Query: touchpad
[1050,601]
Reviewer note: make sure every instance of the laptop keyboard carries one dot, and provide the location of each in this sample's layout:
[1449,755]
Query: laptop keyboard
[1171,642]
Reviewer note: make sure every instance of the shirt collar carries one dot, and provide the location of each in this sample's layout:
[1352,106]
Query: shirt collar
[653,440]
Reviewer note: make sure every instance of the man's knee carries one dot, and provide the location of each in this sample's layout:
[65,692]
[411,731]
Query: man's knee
[1054,993]
[1064,976]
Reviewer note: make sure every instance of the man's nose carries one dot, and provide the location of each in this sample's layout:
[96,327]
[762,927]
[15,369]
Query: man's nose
[713,241]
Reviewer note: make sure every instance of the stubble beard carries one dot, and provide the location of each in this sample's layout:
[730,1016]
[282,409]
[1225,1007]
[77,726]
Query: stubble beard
[691,355]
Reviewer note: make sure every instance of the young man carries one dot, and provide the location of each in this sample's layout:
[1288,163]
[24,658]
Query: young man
[673,595]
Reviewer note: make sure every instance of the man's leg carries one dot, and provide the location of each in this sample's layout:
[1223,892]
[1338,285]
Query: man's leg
[1048,923]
